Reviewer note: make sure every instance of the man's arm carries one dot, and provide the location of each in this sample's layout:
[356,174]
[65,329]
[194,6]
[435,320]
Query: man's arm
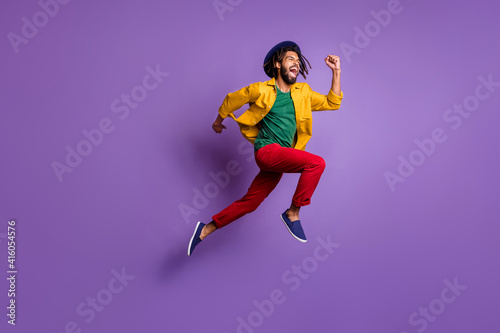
[333,62]
[332,100]
[233,102]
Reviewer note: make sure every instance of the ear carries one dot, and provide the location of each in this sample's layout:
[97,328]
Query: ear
[277,64]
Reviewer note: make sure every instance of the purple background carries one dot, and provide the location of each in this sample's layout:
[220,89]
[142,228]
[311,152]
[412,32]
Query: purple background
[119,209]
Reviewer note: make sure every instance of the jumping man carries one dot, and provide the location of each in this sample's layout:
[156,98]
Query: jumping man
[279,124]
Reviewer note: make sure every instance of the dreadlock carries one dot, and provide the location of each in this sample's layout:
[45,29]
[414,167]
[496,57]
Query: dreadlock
[270,68]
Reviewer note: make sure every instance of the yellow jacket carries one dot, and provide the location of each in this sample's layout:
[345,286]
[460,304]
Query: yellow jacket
[261,97]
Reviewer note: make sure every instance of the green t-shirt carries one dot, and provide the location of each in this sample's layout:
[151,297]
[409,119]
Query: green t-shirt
[279,125]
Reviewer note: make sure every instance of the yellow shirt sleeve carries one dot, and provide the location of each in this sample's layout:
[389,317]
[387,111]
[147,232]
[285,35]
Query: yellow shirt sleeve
[321,102]
[237,99]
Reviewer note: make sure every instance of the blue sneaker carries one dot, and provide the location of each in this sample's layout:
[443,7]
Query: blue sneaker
[294,227]
[195,240]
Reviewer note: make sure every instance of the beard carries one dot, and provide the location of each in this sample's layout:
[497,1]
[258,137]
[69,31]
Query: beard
[286,76]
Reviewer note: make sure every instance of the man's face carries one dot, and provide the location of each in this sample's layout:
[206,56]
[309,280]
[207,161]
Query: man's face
[290,67]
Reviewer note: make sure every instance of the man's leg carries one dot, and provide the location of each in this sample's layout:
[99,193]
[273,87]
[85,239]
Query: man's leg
[263,184]
[290,160]
[275,158]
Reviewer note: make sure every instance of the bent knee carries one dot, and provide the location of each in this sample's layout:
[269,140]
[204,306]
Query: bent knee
[319,163]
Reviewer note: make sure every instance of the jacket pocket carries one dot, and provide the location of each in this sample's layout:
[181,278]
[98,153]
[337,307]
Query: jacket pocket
[305,124]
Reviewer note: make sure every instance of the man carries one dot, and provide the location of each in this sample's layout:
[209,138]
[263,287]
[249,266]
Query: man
[279,124]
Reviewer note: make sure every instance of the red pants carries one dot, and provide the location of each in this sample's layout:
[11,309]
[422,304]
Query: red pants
[273,160]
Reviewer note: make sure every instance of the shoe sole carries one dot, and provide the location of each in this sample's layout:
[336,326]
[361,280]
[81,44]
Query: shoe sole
[192,238]
[290,231]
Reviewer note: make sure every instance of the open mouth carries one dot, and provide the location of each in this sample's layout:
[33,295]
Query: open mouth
[294,71]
